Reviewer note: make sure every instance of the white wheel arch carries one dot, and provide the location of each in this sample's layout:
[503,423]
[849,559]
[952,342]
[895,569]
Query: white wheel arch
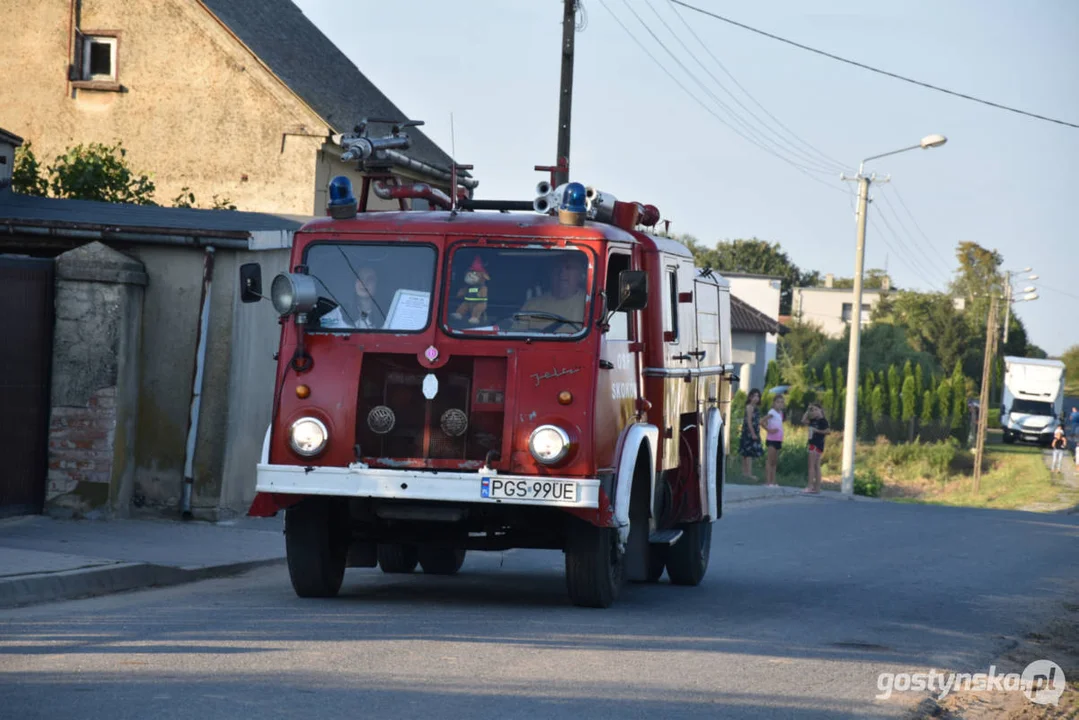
[713,475]
[633,438]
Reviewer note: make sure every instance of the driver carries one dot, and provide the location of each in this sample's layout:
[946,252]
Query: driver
[366,315]
[565,298]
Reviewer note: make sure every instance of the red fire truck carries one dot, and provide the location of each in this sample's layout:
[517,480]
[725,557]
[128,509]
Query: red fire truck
[475,377]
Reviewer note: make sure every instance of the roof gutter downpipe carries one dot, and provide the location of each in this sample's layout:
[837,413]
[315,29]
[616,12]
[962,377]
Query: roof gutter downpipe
[196,385]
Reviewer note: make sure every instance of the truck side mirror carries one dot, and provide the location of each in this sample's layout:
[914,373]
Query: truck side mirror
[632,290]
[250,282]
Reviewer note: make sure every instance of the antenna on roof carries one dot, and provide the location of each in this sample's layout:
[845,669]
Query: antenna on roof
[453,168]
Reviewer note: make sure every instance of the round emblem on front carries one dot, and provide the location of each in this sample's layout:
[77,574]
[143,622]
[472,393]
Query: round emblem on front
[381,419]
[454,422]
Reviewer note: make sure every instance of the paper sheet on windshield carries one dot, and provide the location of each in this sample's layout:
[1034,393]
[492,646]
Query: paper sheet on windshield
[408,311]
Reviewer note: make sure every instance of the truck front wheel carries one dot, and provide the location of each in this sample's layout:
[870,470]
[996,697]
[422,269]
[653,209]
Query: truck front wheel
[687,559]
[397,558]
[594,565]
[316,545]
[441,560]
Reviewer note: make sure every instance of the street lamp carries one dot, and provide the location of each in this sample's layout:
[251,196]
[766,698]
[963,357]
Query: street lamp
[850,415]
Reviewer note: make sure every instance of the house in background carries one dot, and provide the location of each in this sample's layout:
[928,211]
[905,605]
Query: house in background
[760,292]
[751,332]
[832,308]
[235,98]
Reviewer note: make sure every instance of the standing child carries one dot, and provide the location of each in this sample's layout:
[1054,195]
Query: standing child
[1059,445]
[773,423]
[818,428]
[749,444]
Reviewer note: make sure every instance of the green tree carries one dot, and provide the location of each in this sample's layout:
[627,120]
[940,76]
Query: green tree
[99,172]
[895,410]
[1070,358]
[959,396]
[944,399]
[873,279]
[771,375]
[881,345]
[919,383]
[927,407]
[800,343]
[758,257]
[877,402]
[930,322]
[908,397]
[26,173]
[828,379]
[840,392]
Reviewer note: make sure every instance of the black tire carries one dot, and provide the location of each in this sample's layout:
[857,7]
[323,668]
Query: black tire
[594,567]
[687,559]
[316,546]
[441,560]
[398,558]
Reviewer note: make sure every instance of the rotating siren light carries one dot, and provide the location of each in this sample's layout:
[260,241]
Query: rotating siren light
[342,203]
[572,206]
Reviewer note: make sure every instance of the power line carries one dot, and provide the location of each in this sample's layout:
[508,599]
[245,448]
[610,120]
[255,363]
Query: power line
[707,109]
[711,94]
[903,257]
[899,197]
[722,67]
[827,164]
[914,241]
[1043,286]
[876,70]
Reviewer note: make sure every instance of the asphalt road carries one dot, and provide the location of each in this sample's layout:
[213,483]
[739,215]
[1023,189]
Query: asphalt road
[806,601]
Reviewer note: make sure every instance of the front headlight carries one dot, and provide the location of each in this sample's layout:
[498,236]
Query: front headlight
[293,293]
[308,436]
[548,444]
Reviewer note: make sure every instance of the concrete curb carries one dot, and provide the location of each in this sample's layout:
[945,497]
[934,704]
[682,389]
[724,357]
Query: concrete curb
[106,580]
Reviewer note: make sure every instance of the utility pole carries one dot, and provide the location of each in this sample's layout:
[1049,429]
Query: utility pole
[983,400]
[569,26]
[850,416]
[1007,305]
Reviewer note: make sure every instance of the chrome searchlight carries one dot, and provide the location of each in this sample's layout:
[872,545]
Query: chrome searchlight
[293,293]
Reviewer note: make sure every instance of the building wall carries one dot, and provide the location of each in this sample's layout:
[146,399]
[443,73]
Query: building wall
[761,294]
[196,109]
[824,307]
[749,350]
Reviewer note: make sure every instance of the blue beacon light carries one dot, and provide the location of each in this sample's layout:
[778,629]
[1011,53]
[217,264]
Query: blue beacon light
[572,209]
[342,203]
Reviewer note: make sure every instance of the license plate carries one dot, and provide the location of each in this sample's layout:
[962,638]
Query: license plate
[536,490]
[1030,437]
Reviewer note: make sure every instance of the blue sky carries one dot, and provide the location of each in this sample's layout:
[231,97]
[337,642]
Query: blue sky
[1003,180]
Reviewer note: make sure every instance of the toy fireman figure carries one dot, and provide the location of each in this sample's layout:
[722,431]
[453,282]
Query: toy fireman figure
[473,295]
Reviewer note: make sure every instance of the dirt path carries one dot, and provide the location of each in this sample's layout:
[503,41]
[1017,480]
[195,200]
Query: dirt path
[1068,479]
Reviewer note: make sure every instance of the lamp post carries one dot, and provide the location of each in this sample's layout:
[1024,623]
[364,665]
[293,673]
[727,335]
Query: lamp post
[850,415]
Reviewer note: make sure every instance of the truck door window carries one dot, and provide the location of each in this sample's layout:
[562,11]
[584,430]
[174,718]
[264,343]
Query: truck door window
[620,321]
[371,287]
[670,315]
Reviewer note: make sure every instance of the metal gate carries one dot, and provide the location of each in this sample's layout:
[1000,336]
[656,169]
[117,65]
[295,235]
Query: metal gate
[26,301]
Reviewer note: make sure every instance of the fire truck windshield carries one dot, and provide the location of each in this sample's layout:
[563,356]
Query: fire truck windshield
[371,287]
[517,291]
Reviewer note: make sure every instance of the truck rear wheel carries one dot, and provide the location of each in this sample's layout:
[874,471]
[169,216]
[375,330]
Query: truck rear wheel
[397,558]
[316,546]
[594,568]
[687,559]
[441,560]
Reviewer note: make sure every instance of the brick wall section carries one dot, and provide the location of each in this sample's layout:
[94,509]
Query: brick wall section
[81,442]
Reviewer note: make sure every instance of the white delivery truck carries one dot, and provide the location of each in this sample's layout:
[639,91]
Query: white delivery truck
[1033,399]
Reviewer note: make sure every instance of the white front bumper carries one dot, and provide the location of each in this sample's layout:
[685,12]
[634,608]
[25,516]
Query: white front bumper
[408,485]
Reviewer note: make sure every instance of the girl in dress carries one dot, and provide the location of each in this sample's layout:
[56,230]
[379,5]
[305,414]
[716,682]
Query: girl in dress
[749,445]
